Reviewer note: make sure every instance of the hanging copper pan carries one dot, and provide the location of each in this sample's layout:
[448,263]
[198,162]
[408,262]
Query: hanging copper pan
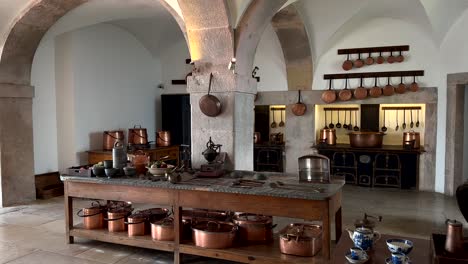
[347,64]
[210,104]
[400,58]
[359,62]
[380,59]
[360,92]
[375,91]
[369,60]
[401,88]
[346,94]
[414,87]
[388,89]
[391,58]
[299,108]
[329,96]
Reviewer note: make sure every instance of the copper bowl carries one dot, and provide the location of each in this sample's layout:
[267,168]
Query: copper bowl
[366,139]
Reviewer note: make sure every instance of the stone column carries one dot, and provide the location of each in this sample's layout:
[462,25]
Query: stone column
[16,145]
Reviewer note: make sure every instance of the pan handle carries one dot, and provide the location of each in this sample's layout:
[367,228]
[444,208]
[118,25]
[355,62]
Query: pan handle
[209,84]
[83,215]
[135,126]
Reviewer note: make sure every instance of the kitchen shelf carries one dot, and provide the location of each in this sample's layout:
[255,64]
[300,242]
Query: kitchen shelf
[121,238]
[262,253]
[363,75]
[374,49]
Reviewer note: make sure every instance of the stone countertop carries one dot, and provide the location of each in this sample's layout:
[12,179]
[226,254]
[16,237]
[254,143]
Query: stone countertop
[224,184]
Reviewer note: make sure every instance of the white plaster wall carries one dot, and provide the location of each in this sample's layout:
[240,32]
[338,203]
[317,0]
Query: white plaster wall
[270,60]
[106,80]
[173,67]
[465,137]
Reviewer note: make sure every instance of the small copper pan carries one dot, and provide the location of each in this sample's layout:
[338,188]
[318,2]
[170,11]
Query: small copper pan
[347,64]
[329,96]
[375,91]
[346,94]
[388,89]
[400,58]
[380,59]
[414,87]
[391,58]
[370,60]
[359,62]
[360,92]
[401,88]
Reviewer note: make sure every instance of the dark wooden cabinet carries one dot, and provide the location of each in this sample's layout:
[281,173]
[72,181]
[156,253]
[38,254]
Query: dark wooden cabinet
[176,117]
[268,157]
[389,166]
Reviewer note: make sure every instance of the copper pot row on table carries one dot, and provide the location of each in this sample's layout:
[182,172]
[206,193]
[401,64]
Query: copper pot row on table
[358,63]
[360,93]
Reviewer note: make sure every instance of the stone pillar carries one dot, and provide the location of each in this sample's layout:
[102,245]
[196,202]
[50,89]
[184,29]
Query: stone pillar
[16,145]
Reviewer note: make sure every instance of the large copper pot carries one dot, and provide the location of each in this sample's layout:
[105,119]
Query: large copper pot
[366,139]
[93,217]
[212,234]
[254,228]
[327,136]
[163,138]
[163,230]
[137,224]
[301,239]
[137,135]
[413,138]
[110,137]
[116,219]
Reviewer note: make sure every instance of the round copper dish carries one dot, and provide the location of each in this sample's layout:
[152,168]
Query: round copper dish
[254,228]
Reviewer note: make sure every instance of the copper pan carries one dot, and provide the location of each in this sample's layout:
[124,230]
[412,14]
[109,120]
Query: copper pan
[210,104]
[360,92]
[299,108]
[370,60]
[254,228]
[391,58]
[329,96]
[401,88]
[347,64]
[346,94]
[414,87]
[400,58]
[388,89]
[380,59]
[359,62]
[375,91]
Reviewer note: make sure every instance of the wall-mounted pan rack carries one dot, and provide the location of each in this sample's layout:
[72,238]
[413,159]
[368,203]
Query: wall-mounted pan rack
[341,109]
[278,108]
[363,75]
[373,49]
[401,108]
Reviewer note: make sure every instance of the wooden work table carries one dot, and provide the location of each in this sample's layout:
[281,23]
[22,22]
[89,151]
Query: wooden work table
[219,195]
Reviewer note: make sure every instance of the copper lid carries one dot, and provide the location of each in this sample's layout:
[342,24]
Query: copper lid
[246,218]
[168,221]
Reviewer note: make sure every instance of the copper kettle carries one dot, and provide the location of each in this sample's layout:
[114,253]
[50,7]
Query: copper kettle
[454,241]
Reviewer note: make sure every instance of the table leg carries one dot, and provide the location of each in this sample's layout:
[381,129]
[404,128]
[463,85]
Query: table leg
[338,225]
[326,241]
[68,216]
[178,230]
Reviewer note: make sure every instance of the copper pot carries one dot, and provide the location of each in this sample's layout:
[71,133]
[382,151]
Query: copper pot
[328,136]
[110,137]
[454,241]
[366,139]
[137,224]
[212,234]
[137,135]
[116,219]
[163,230]
[163,138]
[155,214]
[412,136]
[301,239]
[254,228]
[93,217]
[191,217]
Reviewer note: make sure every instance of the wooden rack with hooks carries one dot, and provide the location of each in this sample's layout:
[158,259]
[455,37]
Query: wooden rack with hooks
[364,75]
[341,109]
[401,108]
[373,49]
[278,108]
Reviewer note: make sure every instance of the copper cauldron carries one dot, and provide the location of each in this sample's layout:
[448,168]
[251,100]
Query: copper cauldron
[93,217]
[110,137]
[137,224]
[301,239]
[116,219]
[327,136]
[163,230]
[254,228]
[137,135]
[163,138]
[212,234]
[413,138]
[366,139]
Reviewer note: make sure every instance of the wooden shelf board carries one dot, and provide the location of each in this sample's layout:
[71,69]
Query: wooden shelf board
[374,49]
[121,238]
[363,75]
[266,253]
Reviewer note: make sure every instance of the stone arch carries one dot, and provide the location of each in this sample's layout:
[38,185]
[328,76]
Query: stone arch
[28,30]
[294,41]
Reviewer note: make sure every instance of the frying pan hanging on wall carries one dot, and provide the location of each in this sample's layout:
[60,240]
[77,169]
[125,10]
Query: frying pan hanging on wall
[210,104]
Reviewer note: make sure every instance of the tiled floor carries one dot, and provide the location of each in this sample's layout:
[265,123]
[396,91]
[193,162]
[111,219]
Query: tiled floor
[35,233]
